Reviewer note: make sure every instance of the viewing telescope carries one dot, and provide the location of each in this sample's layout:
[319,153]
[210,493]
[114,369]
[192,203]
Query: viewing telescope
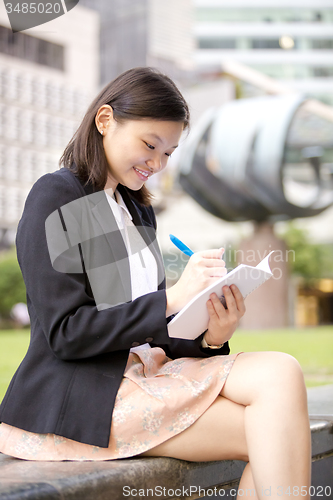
[264,158]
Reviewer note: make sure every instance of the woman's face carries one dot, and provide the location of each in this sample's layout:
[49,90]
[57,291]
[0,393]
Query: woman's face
[136,149]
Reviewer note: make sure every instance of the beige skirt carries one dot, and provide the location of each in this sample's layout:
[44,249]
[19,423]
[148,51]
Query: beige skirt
[157,399]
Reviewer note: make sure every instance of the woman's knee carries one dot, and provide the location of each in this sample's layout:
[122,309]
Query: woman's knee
[288,369]
[283,375]
[268,376]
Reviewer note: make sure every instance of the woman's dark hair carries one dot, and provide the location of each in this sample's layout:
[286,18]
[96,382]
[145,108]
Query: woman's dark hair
[136,94]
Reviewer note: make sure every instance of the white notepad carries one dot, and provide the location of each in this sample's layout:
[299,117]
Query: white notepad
[193,319]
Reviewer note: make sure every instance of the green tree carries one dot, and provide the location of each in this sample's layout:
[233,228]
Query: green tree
[312,260]
[12,287]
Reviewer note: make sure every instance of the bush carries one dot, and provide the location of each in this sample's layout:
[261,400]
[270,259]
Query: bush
[12,287]
[312,260]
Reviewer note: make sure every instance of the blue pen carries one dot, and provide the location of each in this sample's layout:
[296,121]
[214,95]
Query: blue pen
[179,244]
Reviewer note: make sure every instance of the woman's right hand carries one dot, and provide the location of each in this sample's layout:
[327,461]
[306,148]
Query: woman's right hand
[202,270]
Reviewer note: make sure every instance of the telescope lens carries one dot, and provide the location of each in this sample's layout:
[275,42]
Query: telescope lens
[307,171]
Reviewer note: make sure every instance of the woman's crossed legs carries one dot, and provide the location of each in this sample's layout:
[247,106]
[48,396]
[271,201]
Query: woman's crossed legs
[261,417]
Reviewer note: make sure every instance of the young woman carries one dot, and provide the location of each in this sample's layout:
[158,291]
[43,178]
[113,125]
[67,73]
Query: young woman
[101,378]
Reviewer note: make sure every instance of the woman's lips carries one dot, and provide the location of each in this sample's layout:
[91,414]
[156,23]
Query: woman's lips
[142,174]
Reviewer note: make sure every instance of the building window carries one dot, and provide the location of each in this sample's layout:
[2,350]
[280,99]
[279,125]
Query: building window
[53,97]
[263,14]
[39,93]
[265,43]
[10,82]
[26,127]
[27,174]
[31,48]
[2,120]
[2,162]
[40,129]
[12,204]
[12,120]
[12,164]
[26,89]
[324,43]
[217,43]
[2,203]
[323,72]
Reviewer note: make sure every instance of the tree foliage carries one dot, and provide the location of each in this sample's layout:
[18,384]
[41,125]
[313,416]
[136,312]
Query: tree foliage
[12,287]
[312,260]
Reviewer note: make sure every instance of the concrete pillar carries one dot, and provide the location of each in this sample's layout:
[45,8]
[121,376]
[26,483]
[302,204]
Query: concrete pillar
[266,307]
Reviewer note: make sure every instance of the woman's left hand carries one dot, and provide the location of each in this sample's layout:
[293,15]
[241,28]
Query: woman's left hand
[224,321]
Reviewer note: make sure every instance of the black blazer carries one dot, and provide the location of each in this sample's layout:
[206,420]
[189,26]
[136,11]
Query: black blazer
[68,381]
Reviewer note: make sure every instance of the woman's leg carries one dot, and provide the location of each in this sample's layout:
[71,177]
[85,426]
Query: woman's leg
[276,421]
[246,488]
[262,416]
[219,434]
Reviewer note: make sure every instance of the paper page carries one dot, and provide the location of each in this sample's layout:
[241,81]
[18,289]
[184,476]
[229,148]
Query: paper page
[193,319]
[264,264]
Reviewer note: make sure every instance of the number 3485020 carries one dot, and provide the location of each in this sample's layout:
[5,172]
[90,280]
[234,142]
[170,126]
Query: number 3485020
[32,8]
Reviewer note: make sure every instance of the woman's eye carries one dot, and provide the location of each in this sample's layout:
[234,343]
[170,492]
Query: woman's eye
[150,146]
[168,154]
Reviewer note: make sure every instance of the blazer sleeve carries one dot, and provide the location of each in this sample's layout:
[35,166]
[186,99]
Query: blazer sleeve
[178,348]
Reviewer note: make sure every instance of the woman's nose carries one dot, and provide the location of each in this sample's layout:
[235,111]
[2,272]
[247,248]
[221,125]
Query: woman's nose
[154,164]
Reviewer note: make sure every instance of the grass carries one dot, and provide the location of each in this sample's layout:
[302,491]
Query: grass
[312,347]
[13,346]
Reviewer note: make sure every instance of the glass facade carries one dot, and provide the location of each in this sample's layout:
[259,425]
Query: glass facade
[123,35]
[38,116]
[217,43]
[259,15]
[323,43]
[31,48]
[241,43]
[290,43]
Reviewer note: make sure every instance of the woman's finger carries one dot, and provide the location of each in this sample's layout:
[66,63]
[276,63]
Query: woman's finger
[230,299]
[211,254]
[218,306]
[215,272]
[211,309]
[209,263]
[239,299]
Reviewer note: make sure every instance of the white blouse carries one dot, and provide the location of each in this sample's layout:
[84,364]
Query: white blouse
[143,267]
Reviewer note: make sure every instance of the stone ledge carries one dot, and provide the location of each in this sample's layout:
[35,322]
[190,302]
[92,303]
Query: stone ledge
[26,480]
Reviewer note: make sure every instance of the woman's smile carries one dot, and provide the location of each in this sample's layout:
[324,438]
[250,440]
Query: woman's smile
[142,174]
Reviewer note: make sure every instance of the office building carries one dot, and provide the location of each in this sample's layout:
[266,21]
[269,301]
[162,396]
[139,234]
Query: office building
[290,40]
[145,33]
[48,75]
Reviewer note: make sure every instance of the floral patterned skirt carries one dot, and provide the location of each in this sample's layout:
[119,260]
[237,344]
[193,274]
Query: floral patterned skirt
[157,399]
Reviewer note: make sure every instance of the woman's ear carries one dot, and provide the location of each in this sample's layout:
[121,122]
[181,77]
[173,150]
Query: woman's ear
[103,118]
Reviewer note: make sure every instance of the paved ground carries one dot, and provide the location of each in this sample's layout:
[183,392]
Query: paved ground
[320,400]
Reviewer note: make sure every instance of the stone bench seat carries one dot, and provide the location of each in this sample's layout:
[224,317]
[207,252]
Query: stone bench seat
[163,478]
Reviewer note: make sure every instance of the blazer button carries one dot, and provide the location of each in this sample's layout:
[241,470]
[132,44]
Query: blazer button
[149,339]
[135,344]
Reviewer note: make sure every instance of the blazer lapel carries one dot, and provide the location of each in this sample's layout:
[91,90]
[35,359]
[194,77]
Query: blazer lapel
[104,217]
[137,216]
[147,232]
